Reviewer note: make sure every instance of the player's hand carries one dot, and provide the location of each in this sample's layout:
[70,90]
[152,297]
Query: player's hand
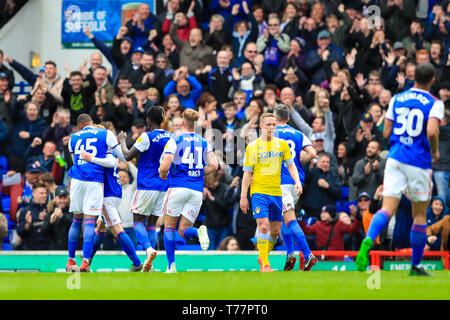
[86,156]
[163,175]
[122,136]
[244,205]
[298,189]
[435,157]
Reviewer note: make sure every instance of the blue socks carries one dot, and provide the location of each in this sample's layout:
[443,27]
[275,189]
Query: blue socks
[88,237]
[299,237]
[74,234]
[128,248]
[151,233]
[98,240]
[169,244]
[418,239]
[378,223]
[190,233]
[141,234]
[288,240]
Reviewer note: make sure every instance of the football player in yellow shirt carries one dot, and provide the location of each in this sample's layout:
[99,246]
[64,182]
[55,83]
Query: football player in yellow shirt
[262,170]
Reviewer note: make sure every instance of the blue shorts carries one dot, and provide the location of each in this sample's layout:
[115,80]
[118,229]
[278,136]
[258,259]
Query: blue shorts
[265,206]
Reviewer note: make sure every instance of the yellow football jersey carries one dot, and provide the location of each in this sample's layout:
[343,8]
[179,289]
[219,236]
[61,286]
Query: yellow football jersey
[264,159]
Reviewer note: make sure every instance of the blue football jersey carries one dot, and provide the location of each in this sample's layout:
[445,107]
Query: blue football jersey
[151,145]
[111,185]
[410,111]
[190,152]
[93,140]
[297,141]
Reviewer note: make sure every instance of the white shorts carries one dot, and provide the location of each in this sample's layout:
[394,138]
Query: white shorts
[290,197]
[86,197]
[110,215]
[400,176]
[148,202]
[183,201]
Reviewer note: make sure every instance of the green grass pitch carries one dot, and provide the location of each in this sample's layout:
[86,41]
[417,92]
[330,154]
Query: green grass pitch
[294,285]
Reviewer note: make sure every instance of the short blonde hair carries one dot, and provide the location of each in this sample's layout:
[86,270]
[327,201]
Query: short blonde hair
[266,115]
[189,117]
[217,17]
[153,91]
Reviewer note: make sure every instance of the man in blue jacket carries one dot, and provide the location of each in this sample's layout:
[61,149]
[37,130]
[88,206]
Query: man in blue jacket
[187,87]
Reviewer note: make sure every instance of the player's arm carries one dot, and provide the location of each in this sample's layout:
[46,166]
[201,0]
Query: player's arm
[434,118]
[107,162]
[169,155]
[246,181]
[389,119]
[127,154]
[308,153]
[287,157]
[113,144]
[213,165]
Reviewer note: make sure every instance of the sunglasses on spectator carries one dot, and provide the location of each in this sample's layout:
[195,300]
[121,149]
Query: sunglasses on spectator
[363,200]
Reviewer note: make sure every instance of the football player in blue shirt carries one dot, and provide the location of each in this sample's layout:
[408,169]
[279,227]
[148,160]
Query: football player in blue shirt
[192,158]
[412,126]
[151,189]
[86,187]
[110,215]
[302,152]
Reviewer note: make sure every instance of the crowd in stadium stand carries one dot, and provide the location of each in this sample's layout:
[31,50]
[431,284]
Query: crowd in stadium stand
[334,63]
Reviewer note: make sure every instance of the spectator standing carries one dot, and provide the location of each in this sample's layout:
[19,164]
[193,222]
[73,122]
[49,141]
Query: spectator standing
[215,37]
[192,51]
[369,172]
[58,220]
[128,180]
[7,99]
[51,81]
[8,72]
[59,128]
[141,24]
[27,126]
[243,31]
[78,98]
[31,222]
[322,186]
[185,22]
[21,193]
[187,87]
[273,45]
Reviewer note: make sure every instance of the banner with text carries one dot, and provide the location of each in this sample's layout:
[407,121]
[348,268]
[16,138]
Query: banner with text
[103,17]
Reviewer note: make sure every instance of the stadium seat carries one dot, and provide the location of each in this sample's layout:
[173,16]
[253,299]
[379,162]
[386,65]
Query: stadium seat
[6,202]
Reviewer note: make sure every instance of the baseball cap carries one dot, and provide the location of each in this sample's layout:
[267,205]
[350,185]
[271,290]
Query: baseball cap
[363,194]
[139,86]
[139,49]
[366,117]
[129,40]
[398,45]
[331,209]
[61,191]
[317,136]
[3,75]
[323,34]
[33,168]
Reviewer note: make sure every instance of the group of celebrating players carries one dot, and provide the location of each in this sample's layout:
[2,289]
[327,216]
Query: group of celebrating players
[171,174]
